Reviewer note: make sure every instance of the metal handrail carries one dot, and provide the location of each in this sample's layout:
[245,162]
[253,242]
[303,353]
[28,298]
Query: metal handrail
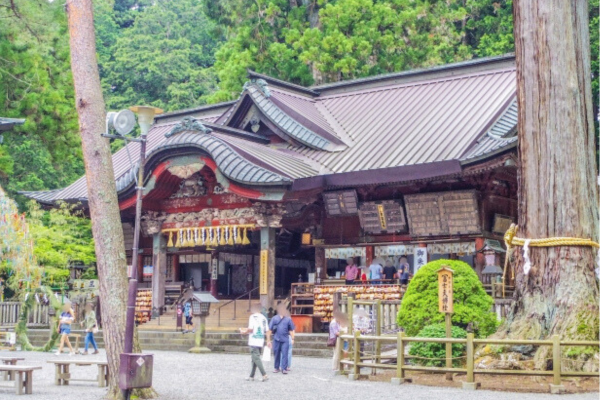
[234,301]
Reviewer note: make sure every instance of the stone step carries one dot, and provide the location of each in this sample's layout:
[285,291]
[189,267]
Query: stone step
[296,351]
[307,345]
[300,345]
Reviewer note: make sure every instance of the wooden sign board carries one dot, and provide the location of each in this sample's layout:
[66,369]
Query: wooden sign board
[445,213]
[341,203]
[445,290]
[264,272]
[501,224]
[382,217]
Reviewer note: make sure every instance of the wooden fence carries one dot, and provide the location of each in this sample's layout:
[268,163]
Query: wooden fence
[385,311]
[10,311]
[356,362]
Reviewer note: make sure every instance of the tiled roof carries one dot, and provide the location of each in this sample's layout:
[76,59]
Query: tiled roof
[415,123]
[500,137]
[8,123]
[415,120]
[287,124]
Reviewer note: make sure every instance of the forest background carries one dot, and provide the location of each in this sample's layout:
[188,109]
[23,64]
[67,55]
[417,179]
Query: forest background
[178,54]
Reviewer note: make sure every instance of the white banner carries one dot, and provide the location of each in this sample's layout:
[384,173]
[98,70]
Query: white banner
[341,253]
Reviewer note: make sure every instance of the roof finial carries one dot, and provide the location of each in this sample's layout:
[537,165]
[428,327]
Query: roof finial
[262,86]
[188,124]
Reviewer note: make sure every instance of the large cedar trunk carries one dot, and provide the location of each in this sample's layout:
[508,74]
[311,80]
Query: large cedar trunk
[102,191]
[557,192]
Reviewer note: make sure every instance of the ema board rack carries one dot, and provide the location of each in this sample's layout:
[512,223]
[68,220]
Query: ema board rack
[324,295]
[143,306]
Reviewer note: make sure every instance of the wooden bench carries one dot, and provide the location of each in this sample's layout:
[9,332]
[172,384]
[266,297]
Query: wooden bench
[23,377]
[62,374]
[9,375]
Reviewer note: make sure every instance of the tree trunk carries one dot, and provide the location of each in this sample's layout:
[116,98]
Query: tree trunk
[102,191]
[557,192]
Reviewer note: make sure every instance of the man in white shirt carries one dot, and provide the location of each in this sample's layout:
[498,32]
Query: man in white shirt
[258,326]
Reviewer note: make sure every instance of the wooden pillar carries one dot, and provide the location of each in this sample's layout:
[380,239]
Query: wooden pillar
[159,262]
[140,267]
[176,272]
[250,284]
[479,260]
[320,264]
[369,255]
[214,273]
[267,267]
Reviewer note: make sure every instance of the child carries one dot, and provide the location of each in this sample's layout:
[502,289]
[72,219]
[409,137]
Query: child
[64,328]
[187,312]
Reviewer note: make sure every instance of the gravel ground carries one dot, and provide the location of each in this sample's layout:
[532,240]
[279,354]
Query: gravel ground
[183,376]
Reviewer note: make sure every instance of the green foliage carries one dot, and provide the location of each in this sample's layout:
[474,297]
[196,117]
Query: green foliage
[471,303]
[36,84]
[434,354]
[163,57]
[26,306]
[60,235]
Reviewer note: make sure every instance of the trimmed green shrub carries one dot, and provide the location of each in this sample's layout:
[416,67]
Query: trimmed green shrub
[419,306]
[434,354]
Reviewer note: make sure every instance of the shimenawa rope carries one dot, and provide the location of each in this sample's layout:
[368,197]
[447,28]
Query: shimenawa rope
[511,240]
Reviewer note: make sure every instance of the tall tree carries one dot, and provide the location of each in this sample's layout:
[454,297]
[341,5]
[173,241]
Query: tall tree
[557,192]
[102,191]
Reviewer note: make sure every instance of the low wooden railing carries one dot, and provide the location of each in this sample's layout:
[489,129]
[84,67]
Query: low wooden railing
[386,310]
[356,361]
[10,311]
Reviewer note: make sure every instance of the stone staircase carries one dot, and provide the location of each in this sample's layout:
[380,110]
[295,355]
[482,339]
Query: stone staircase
[306,345]
[168,321]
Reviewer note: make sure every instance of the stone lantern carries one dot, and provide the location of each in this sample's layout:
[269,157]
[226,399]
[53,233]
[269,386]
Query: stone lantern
[201,302]
[492,273]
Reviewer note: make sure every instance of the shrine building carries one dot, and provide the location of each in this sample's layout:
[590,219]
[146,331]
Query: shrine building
[287,182]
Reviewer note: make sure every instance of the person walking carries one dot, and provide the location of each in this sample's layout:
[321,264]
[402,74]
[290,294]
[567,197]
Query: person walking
[257,329]
[337,327]
[64,328]
[187,313]
[91,327]
[351,272]
[281,328]
[290,349]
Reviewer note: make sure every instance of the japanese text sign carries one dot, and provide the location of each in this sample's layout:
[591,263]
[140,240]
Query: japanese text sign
[264,272]
[445,290]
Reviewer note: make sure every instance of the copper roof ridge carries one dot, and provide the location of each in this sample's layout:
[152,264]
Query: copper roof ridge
[418,71]
[415,84]
[204,107]
[282,83]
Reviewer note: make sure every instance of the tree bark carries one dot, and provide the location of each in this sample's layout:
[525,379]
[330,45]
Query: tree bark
[102,191]
[558,196]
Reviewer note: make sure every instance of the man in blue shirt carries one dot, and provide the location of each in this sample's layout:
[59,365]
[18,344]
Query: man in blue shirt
[281,328]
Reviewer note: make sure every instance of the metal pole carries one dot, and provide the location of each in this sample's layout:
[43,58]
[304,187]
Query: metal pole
[133,282]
